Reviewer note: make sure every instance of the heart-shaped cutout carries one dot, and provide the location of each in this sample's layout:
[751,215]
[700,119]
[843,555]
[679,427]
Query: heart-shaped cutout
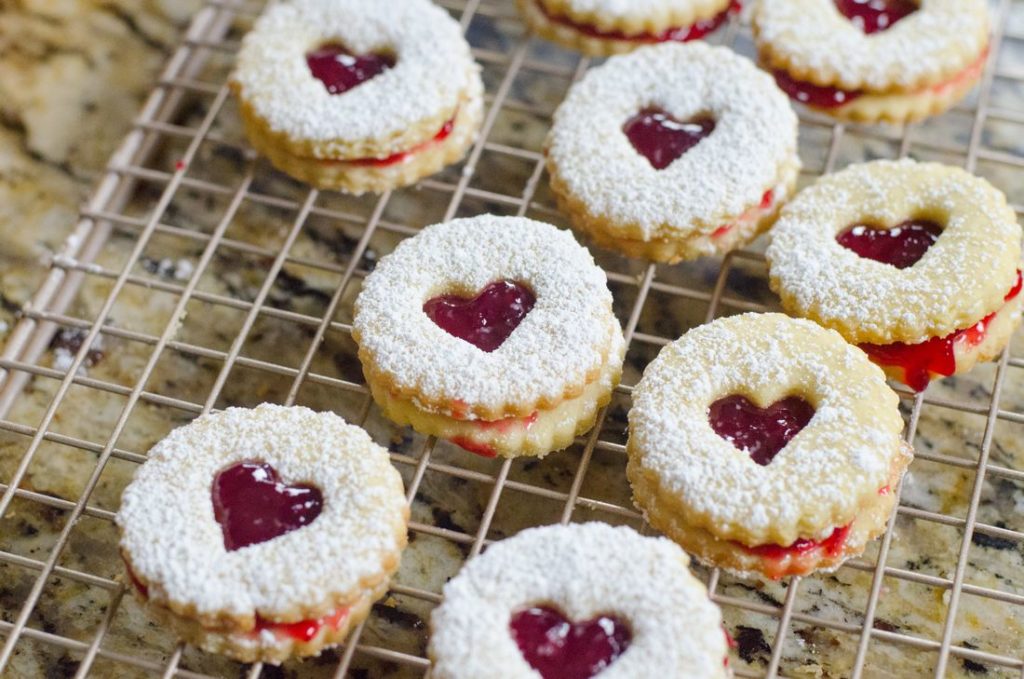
[761,432]
[872,16]
[560,649]
[661,139]
[252,505]
[487,320]
[340,70]
[901,246]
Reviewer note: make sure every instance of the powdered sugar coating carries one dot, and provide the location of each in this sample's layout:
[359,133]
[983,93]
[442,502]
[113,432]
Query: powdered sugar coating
[433,68]
[816,482]
[563,341]
[715,181]
[960,279]
[815,42]
[176,547]
[585,570]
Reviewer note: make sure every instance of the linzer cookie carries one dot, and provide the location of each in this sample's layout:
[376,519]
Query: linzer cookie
[603,27]
[673,152]
[766,444]
[885,60]
[358,95]
[918,263]
[569,602]
[496,333]
[263,534]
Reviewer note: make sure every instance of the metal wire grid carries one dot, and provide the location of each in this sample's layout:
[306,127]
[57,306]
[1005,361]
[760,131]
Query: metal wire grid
[105,214]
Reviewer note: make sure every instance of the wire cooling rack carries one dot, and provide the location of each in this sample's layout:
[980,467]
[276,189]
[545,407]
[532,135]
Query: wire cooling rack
[254,303]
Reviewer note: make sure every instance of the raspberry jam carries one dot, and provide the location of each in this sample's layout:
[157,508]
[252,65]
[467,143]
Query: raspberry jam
[936,356]
[774,555]
[304,630]
[872,16]
[475,447]
[901,246]
[678,34]
[559,649]
[487,320]
[661,139]
[761,432]
[403,156]
[340,70]
[252,505]
[821,96]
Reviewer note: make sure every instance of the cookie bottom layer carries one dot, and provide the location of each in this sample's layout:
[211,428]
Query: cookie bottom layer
[998,332]
[590,43]
[541,433]
[359,177]
[266,646]
[730,236]
[662,511]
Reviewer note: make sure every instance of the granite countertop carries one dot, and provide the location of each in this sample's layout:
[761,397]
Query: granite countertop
[72,77]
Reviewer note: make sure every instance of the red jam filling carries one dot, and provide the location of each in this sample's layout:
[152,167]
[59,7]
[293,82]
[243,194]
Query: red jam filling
[252,505]
[304,630]
[340,70]
[402,156]
[487,320]
[821,96]
[661,139]
[502,426]
[677,34]
[832,546]
[761,432]
[936,356]
[475,447]
[872,16]
[901,246]
[559,649]
[766,202]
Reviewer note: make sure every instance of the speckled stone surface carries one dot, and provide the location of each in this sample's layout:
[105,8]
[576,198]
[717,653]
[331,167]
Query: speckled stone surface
[71,78]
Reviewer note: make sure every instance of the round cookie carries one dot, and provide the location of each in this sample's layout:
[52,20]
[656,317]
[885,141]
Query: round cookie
[605,27]
[895,61]
[578,600]
[673,152]
[496,333]
[263,534]
[356,95]
[918,263]
[766,444]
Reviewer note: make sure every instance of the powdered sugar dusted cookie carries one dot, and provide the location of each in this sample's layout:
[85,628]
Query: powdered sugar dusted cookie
[918,263]
[884,60]
[673,152]
[496,333]
[766,444]
[603,27]
[358,95]
[263,534]
[577,601]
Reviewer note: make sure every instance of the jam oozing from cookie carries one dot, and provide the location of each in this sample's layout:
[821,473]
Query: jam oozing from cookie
[304,630]
[403,156]
[340,70]
[661,139]
[677,34]
[872,16]
[487,320]
[821,96]
[761,432]
[901,246]
[936,356]
[252,505]
[560,649]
